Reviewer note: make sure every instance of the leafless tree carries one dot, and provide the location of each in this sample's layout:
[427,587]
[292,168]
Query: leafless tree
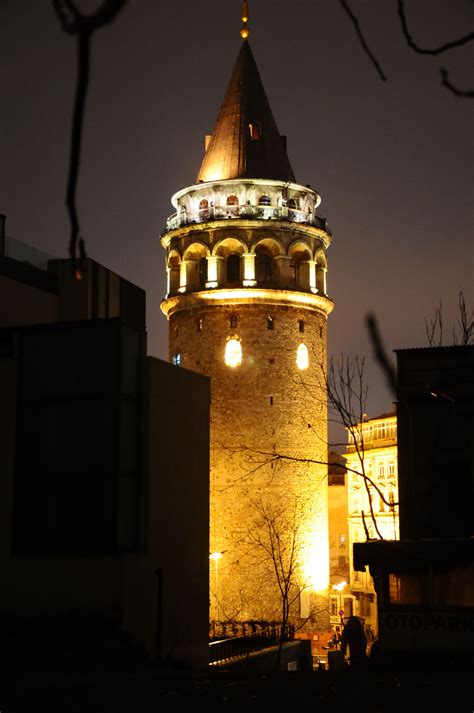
[415,46]
[276,539]
[462,330]
[347,399]
[434,327]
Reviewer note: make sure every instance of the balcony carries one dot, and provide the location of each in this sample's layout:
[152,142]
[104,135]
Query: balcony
[246,212]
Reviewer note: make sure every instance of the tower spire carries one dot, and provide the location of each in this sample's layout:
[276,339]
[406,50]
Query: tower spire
[245,31]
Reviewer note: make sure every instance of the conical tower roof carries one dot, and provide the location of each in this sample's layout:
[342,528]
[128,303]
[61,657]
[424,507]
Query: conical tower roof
[245,142]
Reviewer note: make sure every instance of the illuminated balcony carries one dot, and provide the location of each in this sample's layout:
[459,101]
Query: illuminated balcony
[245,212]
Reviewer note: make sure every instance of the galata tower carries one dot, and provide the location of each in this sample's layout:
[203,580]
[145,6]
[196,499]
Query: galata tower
[247,305]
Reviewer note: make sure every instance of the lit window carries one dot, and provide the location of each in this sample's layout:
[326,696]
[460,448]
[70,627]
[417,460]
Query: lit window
[255,131]
[270,323]
[176,359]
[199,324]
[302,360]
[233,352]
[232,200]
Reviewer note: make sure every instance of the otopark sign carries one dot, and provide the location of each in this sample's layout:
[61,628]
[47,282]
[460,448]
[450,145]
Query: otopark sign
[422,630]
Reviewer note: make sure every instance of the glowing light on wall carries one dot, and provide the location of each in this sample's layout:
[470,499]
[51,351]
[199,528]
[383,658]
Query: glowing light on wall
[302,359]
[312,276]
[233,352]
[316,560]
[212,272]
[249,270]
[182,277]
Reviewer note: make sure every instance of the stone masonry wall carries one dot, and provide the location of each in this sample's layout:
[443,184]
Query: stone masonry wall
[264,406]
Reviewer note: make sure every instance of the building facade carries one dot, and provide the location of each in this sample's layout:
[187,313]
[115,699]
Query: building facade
[103,517]
[372,449]
[425,581]
[338,539]
[247,305]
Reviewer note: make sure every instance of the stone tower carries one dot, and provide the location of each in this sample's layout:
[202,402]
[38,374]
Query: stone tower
[247,305]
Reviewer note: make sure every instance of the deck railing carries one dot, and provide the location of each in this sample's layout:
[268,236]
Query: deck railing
[259,212]
[238,646]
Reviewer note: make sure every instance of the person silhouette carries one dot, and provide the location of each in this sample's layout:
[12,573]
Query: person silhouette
[353,636]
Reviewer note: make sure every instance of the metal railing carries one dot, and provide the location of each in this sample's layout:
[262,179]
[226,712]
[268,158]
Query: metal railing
[239,646]
[260,212]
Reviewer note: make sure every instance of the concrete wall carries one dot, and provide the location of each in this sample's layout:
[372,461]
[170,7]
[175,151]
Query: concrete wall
[176,463]
[21,303]
[165,613]
[435,425]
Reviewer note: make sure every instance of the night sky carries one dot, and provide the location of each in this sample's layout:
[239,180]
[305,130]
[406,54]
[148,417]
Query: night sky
[392,161]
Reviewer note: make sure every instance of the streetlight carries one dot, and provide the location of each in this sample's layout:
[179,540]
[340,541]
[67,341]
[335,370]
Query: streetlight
[339,588]
[216,556]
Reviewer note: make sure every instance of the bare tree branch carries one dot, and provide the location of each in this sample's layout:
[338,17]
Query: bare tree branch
[465,321]
[75,23]
[434,327]
[465,325]
[275,457]
[380,354]
[362,41]
[446,82]
[423,50]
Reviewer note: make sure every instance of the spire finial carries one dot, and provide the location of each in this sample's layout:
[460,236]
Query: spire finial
[245,32]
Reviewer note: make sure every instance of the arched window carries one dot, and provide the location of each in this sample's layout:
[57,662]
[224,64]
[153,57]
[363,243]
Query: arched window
[203,209]
[270,322]
[301,325]
[302,359]
[264,200]
[232,200]
[292,204]
[233,268]
[233,321]
[255,131]
[202,271]
[233,352]
[264,268]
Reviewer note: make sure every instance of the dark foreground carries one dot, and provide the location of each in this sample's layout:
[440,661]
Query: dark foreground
[147,688]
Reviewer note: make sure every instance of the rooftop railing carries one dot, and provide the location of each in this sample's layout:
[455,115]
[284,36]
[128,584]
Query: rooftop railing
[259,212]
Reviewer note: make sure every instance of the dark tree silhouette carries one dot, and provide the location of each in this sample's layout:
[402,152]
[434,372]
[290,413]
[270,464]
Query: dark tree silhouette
[76,23]
[446,47]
